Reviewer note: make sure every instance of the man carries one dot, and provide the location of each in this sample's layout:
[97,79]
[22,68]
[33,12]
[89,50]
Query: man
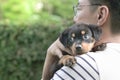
[100,65]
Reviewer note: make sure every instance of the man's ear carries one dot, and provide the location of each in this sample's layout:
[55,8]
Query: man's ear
[64,37]
[103,13]
[96,31]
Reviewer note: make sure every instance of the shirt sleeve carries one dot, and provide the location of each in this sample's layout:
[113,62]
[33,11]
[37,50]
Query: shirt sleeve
[84,69]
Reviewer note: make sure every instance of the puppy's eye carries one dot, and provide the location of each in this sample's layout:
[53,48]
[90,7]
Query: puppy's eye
[86,37]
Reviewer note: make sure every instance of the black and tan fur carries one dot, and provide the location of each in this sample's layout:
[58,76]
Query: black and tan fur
[77,39]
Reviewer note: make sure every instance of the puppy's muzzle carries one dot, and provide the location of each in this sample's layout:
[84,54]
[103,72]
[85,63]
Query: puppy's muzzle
[78,47]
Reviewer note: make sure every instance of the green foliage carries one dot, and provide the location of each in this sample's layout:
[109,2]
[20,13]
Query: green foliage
[23,50]
[16,10]
[25,35]
[32,11]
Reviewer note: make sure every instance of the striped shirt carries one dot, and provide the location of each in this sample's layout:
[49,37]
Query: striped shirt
[84,69]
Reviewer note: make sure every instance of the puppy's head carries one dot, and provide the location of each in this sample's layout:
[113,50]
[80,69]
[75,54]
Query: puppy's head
[80,38]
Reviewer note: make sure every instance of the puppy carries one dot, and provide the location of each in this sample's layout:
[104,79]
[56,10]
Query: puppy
[77,39]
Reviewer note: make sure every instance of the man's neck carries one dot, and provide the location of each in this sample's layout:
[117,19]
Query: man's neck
[113,39]
[108,39]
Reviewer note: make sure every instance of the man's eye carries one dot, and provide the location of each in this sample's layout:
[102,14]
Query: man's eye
[79,8]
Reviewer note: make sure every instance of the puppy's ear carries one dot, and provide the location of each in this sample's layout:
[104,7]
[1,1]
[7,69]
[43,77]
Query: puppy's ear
[64,37]
[96,31]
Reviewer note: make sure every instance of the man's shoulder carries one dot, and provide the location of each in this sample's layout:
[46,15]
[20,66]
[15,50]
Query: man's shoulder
[84,68]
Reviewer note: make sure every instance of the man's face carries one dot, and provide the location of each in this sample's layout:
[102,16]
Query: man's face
[84,13]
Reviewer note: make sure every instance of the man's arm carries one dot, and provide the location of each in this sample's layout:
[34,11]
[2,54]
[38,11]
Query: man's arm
[84,69]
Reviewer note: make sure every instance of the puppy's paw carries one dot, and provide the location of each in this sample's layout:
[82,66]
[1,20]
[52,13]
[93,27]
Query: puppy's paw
[67,60]
[100,47]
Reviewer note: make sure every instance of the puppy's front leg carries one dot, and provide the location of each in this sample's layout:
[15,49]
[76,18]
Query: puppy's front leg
[67,60]
[49,66]
[54,53]
[51,62]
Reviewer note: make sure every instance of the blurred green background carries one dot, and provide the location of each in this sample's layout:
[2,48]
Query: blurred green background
[27,29]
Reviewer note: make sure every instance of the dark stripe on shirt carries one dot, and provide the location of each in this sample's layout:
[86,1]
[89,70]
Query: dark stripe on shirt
[86,71]
[89,64]
[90,57]
[68,74]
[59,76]
[77,73]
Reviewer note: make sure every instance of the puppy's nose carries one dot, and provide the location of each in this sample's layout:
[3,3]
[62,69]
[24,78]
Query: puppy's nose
[78,47]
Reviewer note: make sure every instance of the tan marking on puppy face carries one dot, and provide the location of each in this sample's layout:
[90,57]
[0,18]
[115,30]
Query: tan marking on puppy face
[82,32]
[73,34]
[86,47]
